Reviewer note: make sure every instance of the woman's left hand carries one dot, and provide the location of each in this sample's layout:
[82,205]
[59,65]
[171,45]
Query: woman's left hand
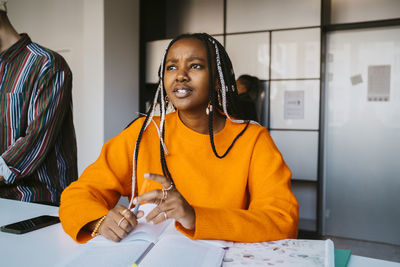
[171,204]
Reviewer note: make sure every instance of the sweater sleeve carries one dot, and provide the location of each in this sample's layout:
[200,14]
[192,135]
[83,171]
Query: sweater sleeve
[272,213]
[99,187]
[45,115]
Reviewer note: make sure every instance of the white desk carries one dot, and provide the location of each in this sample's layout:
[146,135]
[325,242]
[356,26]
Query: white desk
[50,245]
[43,247]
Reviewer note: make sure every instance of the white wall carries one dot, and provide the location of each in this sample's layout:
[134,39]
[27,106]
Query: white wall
[77,29]
[89,100]
[121,44]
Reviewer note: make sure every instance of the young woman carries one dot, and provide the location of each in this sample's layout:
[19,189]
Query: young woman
[218,176]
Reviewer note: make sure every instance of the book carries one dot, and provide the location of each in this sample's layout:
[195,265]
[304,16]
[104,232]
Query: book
[164,246]
[282,253]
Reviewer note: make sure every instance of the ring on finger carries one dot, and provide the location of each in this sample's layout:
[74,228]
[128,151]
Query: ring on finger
[124,211]
[120,221]
[169,187]
[164,194]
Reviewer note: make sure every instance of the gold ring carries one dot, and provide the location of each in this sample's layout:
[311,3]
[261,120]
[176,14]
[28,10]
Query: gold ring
[124,211]
[120,221]
[164,194]
[170,187]
[165,215]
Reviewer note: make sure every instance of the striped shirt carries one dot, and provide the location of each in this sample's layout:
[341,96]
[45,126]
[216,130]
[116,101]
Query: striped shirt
[38,156]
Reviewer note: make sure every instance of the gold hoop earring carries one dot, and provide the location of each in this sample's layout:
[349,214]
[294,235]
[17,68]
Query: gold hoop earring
[208,109]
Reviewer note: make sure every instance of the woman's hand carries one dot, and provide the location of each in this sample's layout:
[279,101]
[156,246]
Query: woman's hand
[119,222]
[171,204]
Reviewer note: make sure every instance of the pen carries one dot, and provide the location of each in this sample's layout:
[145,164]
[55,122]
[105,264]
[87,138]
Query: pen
[136,209]
[150,246]
[144,187]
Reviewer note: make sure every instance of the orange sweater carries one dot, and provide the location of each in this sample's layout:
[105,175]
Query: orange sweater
[243,197]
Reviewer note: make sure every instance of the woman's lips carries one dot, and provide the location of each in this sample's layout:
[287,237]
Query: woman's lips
[182,92]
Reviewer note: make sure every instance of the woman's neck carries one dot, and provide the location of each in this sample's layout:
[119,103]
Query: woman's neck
[199,122]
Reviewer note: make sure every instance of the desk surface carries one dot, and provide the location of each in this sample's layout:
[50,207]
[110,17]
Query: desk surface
[43,247]
[50,245]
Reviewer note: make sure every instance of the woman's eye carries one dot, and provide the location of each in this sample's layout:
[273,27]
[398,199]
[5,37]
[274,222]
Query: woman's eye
[197,66]
[171,67]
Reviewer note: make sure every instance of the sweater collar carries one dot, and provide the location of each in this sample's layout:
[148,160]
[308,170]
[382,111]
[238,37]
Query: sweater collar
[9,54]
[195,135]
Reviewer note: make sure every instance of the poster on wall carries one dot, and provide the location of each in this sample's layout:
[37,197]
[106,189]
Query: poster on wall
[294,105]
[379,83]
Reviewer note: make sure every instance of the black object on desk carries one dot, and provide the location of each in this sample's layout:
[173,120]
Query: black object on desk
[30,224]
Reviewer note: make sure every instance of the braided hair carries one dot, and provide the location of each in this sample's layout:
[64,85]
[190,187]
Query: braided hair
[224,99]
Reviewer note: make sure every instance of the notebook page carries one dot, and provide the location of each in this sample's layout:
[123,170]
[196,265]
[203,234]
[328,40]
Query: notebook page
[171,230]
[106,255]
[180,251]
[103,252]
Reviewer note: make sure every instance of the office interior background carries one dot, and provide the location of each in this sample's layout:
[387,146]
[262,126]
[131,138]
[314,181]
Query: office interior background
[330,71]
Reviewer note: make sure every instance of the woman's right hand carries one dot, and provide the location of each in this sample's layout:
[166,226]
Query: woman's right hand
[119,222]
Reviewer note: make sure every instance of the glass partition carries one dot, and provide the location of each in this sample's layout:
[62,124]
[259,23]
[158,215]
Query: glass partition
[346,11]
[256,15]
[362,135]
[249,54]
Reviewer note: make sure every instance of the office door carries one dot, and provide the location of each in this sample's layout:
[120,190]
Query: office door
[362,135]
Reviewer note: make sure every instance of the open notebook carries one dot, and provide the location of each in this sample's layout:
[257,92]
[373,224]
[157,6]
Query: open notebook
[171,248]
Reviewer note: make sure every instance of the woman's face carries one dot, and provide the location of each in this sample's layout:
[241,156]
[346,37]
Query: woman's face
[186,75]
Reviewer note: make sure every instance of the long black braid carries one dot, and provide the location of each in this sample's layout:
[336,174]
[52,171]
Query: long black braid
[231,90]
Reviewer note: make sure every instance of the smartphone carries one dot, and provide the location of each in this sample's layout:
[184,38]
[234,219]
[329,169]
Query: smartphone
[30,224]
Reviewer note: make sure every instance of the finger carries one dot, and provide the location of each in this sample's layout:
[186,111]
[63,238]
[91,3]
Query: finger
[163,216]
[153,196]
[140,214]
[106,231]
[124,218]
[164,181]
[119,210]
[117,229]
[116,234]
[125,225]
[130,219]
[156,212]
[110,235]
[153,213]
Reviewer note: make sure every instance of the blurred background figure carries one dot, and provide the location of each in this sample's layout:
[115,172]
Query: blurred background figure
[248,90]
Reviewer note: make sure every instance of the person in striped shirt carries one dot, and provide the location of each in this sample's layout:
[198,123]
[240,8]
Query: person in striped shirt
[38,154]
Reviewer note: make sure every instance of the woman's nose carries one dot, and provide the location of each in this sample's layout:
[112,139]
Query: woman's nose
[182,76]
